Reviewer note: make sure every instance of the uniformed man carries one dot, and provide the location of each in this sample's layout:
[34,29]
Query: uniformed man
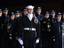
[63,30]
[38,13]
[40,18]
[25,12]
[12,43]
[29,29]
[5,24]
[46,31]
[18,16]
[52,35]
[1,30]
[10,27]
[53,14]
[0,21]
[58,31]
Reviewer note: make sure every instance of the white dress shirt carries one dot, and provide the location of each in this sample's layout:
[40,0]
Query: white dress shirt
[30,16]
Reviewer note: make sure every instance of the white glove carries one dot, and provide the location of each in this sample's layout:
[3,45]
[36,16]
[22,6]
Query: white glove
[20,41]
[37,41]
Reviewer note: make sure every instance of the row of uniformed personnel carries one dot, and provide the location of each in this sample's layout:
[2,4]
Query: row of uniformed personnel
[31,30]
[51,29]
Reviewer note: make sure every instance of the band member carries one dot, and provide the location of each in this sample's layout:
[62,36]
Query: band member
[38,13]
[53,15]
[5,24]
[46,31]
[62,31]
[12,43]
[1,30]
[25,12]
[53,21]
[29,29]
[58,31]
[17,14]
[40,18]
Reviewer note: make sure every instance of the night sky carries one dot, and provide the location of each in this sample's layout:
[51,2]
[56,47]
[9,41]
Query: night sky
[47,4]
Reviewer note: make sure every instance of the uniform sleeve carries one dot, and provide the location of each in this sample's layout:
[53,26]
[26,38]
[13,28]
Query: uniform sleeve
[38,30]
[19,28]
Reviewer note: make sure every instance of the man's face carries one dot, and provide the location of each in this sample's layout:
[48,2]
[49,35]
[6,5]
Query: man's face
[5,12]
[17,14]
[25,12]
[0,13]
[59,18]
[30,11]
[12,17]
[63,16]
[39,11]
[46,15]
[53,14]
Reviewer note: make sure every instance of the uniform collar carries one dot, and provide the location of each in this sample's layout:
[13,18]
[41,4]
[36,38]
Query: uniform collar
[30,16]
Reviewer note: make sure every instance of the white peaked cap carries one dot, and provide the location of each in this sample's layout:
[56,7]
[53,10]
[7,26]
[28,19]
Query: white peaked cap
[30,7]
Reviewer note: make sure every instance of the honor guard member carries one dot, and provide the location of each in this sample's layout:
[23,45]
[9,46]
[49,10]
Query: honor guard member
[29,29]
[5,30]
[63,31]
[38,13]
[1,30]
[53,15]
[11,25]
[25,12]
[12,34]
[40,18]
[18,16]
[53,21]
[1,22]
[58,31]
[18,20]
[46,30]
[17,29]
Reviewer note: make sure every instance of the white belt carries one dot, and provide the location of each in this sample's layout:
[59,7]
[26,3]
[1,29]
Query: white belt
[31,29]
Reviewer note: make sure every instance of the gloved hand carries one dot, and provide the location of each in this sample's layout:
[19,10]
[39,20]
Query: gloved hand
[20,41]
[37,40]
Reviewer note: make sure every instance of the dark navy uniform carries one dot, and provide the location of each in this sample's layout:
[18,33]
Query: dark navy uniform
[4,34]
[1,32]
[62,34]
[40,18]
[5,23]
[52,32]
[12,34]
[17,30]
[58,32]
[6,39]
[29,31]
[46,31]
[12,43]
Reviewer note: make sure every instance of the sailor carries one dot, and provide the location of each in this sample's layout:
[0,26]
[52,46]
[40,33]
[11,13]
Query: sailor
[29,29]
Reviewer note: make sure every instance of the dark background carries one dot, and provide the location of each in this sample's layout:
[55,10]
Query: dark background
[45,4]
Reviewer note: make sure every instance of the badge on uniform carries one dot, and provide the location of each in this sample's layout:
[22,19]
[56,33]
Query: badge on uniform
[36,20]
